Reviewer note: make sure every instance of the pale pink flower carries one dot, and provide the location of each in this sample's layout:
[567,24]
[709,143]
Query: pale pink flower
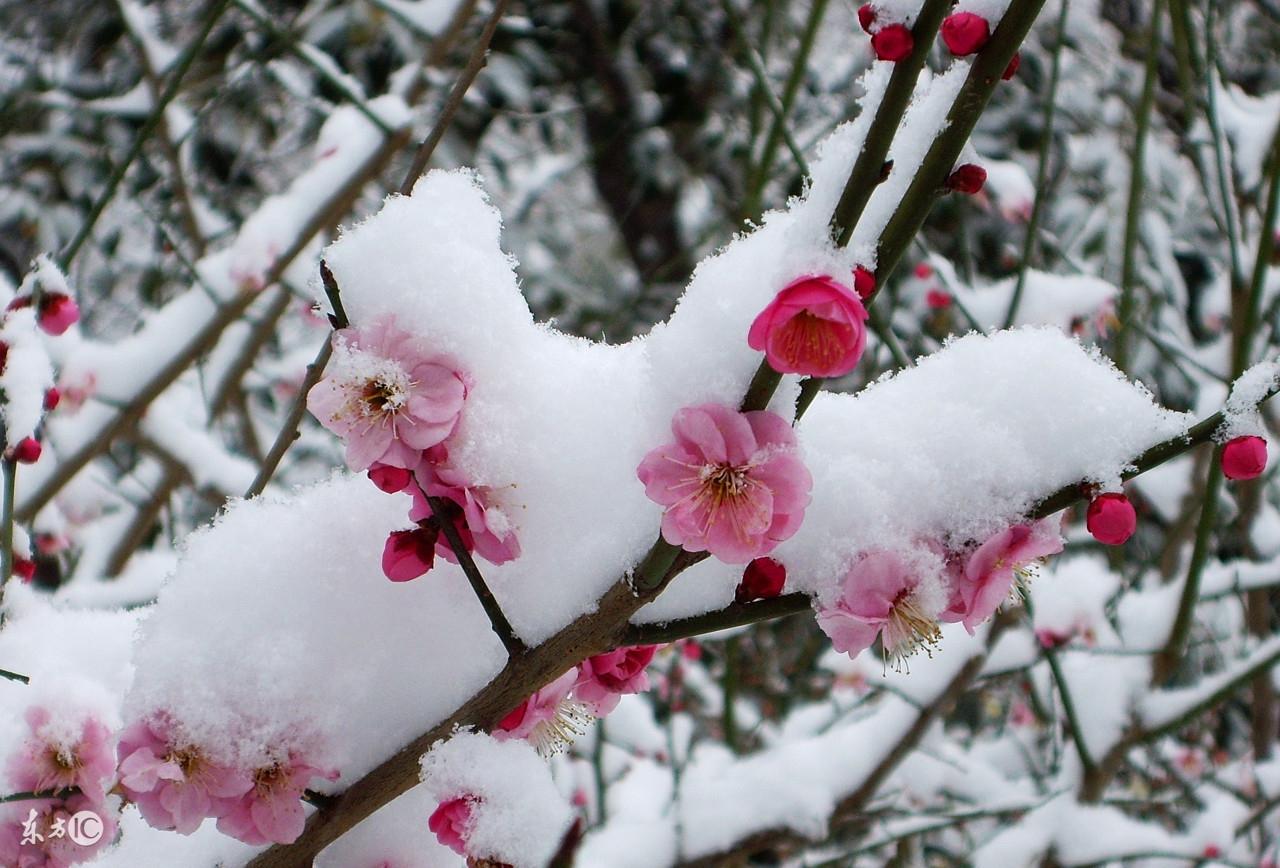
[51,760]
[603,679]
[732,482]
[386,396]
[175,784]
[271,811]
[549,719]
[51,845]
[879,597]
[485,529]
[452,822]
[814,326]
[990,572]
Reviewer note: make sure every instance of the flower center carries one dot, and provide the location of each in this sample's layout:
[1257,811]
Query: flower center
[384,395]
[267,779]
[908,629]
[809,338]
[558,732]
[63,759]
[723,481]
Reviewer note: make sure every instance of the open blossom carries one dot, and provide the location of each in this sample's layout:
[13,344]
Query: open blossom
[879,597]
[452,822]
[271,811]
[602,679]
[386,397]
[991,572]
[484,527]
[175,785]
[731,482]
[549,719]
[54,759]
[814,326]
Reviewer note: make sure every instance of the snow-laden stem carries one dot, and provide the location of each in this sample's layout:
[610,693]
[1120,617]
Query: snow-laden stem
[1068,705]
[1137,184]
[984,75]
[475,63]
[9,468]
[870,168]
[513,643]
[15,676]
[780,109]
[149,126]
[1042,168]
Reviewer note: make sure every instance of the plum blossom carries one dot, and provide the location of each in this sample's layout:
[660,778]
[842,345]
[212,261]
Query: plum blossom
[408,554]
[386,396]
[549,719]
[48,845]
[175,784]
[484,527]
[452,822]
[53,758]
[732,483]
[994,568]
[814,326]
[880,596]
[965,33]
[1111,518]
[603,679]
[271,811]
[763,578]
[1244,457]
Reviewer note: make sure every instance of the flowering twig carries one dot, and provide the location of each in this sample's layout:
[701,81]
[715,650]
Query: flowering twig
[30,795]
[514,644]
[468,74]
[14,676]
[9,469]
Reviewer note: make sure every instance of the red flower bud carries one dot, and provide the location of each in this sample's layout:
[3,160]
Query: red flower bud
[51,398]
[1111,518]
[864,283]
[1012,69]
[27,451]
[967,178]
[763,578]
[866,16]
[964,33]
[24,568]
[938,299]
[58,312]
[1244,457]
[892,42]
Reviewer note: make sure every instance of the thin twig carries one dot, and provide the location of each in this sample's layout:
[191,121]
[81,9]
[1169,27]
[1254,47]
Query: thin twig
[475,63]
[9,468]
[15,676]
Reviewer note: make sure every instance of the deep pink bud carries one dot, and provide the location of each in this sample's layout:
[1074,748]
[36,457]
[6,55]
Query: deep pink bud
[866,16]
[763,578]
[27,451]
[1244,457]
[923,271]
[451,822]
[938,299]
[51,398]
[892,42]
[814,326]
[967,179]
[409,553]
[964,33]
[19,303]
[390,479]
[1111,518]
[864,283]
[24,568]
[1012,69]
[58,312]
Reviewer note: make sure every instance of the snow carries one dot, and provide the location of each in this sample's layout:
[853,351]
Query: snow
[1241,410]
[521,817]
[25,376]
[1047,299]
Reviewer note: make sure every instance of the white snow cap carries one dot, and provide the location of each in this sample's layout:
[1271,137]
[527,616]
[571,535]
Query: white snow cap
[519,816]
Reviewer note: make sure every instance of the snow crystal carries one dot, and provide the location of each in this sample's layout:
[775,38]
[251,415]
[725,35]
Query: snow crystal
[521,817]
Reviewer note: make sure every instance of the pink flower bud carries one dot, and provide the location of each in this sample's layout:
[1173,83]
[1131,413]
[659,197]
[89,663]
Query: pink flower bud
[409,554]
[864,283]
[938,299]
[965,33]
[967,179]
[763,578]
[866,17]
[390,479]
[1012,69]
[892,42]
[1244,457]
[813,327]
[58,312]
[452,823]
[1111,518]
[51,399]
[923,271]
[27,451]
[24,568]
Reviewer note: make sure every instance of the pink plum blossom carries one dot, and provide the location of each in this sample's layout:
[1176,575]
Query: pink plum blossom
[732,482]
[271,811]
[991,571]
[603,679]
[408,554]
[452,822]
[1111,518]
[175,784]
[1244,457]
[814,326]
[548,719]
[54,759]
[484,527]
[879,597]
[386,396]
